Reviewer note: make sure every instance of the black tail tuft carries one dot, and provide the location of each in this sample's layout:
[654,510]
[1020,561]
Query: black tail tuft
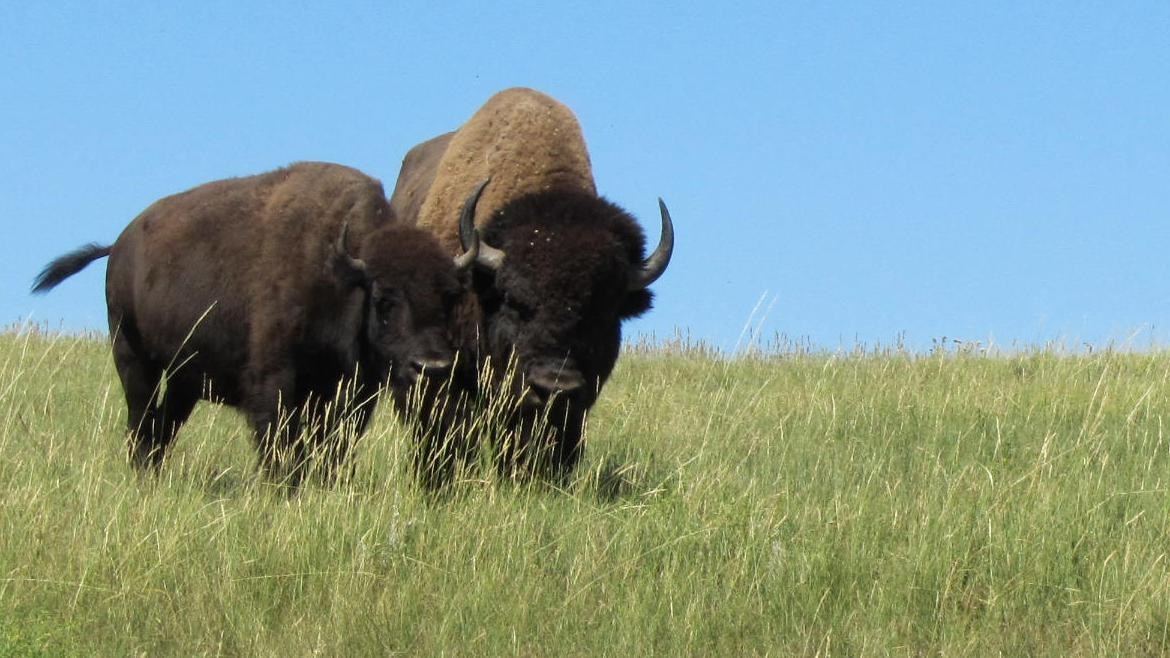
[68,265]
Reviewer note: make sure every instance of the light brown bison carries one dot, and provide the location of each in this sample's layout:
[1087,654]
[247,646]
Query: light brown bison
[245,291]
[558,271]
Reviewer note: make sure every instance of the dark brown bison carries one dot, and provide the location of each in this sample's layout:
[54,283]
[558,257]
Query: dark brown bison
[245,292]
[558,271]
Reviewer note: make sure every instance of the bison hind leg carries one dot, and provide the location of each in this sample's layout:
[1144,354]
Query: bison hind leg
[156,408]
[165,419]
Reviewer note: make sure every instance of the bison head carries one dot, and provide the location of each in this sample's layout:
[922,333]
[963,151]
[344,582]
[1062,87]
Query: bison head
[557,272]
[410,290]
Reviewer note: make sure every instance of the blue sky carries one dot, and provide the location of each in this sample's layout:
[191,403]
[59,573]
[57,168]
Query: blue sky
[859,171]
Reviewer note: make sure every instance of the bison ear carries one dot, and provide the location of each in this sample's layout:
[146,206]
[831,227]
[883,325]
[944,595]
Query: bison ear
[350,271]
[636,303]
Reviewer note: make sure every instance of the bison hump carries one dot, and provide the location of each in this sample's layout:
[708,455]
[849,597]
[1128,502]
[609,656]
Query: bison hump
[525,141]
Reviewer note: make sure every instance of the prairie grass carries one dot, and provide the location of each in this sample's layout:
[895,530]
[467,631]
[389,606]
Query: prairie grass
[782,503]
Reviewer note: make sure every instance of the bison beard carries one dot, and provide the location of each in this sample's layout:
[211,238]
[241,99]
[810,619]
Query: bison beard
[246,292]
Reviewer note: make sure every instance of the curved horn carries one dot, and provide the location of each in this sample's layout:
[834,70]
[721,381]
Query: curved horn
[356,266]
[488,256]
[470,254]
[656,264]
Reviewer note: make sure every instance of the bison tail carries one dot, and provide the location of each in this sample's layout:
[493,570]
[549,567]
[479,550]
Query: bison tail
[68,265]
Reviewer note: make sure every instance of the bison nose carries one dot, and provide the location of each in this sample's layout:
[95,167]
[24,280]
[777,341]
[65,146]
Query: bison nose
[545,382]
[430,367]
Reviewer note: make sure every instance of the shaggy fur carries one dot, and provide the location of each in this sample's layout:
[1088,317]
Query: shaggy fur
[525,141]
[241,292]
[556,303]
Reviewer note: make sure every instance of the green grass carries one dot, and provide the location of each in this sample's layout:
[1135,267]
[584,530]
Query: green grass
[794,503]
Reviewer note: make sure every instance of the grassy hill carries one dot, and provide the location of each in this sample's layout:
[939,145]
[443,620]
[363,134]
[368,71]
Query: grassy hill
[785,504]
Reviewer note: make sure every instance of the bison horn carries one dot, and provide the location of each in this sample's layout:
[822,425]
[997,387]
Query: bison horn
[356,266]
[470,253]
[656,264]
[488,257]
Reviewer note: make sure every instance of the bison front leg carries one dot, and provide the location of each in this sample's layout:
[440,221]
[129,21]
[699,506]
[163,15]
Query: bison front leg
[440,418]
[275,416]
[568,448]
[542,444]
[335,421]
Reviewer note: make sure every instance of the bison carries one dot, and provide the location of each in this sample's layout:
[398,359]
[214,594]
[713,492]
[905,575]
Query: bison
[246,292]
[558,270]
